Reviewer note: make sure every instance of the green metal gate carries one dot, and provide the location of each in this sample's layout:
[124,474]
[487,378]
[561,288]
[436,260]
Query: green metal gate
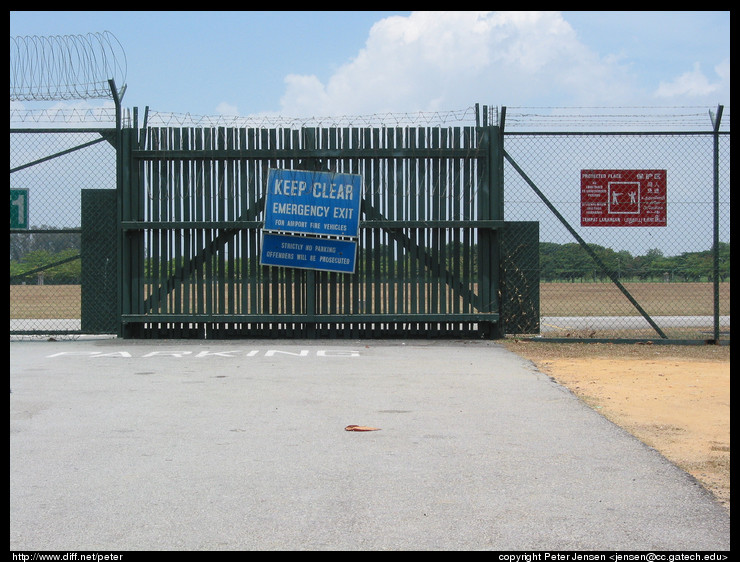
[432,248]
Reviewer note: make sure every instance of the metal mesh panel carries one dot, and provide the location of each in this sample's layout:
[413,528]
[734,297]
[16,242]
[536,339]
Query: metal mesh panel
[667,269]
[520,278]
[99,279]
[45,265]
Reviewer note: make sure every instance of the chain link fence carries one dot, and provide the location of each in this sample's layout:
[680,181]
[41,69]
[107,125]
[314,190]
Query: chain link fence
[595,282]
[618,282]
[49,169]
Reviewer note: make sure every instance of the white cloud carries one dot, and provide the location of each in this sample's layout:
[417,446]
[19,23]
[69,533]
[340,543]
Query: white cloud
[448,60]
[723,70]
[227,109]
[692,83]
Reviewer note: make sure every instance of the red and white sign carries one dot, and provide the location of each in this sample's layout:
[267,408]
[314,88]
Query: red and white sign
[623,198]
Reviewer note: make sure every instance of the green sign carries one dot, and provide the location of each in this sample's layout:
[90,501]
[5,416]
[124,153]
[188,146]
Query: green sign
[19,208]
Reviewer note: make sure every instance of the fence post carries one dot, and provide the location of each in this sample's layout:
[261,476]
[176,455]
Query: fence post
[490,201]
[715,257]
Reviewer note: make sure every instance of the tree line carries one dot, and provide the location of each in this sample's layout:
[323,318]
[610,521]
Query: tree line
[571,262]
[50,259]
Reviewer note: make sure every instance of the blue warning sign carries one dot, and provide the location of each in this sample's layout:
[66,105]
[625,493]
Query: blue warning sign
[319,203]
[308,252]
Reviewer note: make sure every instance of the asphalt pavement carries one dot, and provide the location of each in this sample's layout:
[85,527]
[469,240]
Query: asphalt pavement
[126,445]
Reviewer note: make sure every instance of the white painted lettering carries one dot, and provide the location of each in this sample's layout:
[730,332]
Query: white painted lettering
[272,352]
[88,353]
[218,353]
[337,353]
[225,353]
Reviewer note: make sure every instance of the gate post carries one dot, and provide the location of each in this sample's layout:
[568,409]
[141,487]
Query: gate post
[490,207]
[130,242]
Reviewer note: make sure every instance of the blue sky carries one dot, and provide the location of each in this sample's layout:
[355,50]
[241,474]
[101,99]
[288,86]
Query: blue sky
[355,63]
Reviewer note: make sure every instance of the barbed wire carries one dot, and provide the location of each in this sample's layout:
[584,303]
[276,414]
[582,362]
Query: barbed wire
[614,118]
[64,116]
[386,119]
[65,67]
[516,119]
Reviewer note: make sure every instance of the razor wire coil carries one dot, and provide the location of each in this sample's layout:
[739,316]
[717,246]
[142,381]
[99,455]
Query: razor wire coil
[65,67]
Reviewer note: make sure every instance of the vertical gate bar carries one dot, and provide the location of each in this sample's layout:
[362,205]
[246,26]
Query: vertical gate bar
[351,140]
[373,169]
[208,191]
[169,236]
[253,190]
[233,239]
[219,170]
[469,235]
[323,279]
[232,242]
[245,234]
[308,140]
[185,279]
[141,211]
[198,214]
[360,279]
[148,242]
[424,214]
[147,201]
[437,282]
[302,277]
[196,169]
[243,254]
[390,198]
[455,196]
[176,197]
[345,165]
[290,140]
[401,213]
[395,281]
[138,241]
[164,239]
[445,285]
[335,281]
[484,243]
[164,234]
[366,295]
[130,244]
[274,271]
[154,197]
[413,188]
[151,263]
[171,201]
[265,272]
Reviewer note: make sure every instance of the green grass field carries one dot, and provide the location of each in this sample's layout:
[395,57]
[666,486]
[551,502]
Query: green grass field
[556,299]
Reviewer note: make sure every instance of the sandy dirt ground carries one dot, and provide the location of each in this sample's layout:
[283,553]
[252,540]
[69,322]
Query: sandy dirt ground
[675,399]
